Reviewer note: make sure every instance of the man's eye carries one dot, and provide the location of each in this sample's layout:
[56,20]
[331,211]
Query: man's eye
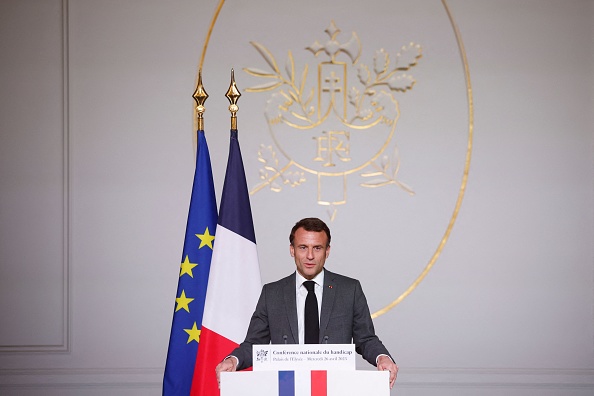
[318,248]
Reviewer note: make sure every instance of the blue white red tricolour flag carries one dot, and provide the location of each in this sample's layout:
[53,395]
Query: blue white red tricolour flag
[234,283]
[193,278]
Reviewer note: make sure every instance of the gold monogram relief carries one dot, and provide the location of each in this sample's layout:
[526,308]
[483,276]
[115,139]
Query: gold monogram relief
[334,122]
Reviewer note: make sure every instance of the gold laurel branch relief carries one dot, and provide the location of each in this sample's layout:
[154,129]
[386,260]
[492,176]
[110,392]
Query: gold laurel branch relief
[395,79]
[271,171]
[295,90]
[386,173]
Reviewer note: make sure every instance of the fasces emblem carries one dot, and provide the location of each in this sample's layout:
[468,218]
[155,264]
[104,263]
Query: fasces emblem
[335,120]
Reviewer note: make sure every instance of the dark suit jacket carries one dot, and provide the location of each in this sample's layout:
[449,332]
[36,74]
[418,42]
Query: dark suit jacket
[344,318]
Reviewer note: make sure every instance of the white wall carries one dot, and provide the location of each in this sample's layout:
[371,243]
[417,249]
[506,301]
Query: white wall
[96,154]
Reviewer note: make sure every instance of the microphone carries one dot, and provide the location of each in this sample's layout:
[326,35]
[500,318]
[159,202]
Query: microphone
[325,339]
[285,339]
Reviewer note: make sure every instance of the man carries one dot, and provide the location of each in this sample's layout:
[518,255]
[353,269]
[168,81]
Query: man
[280,318]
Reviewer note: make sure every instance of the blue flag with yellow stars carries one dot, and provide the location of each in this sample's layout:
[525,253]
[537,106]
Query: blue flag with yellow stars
[193,278]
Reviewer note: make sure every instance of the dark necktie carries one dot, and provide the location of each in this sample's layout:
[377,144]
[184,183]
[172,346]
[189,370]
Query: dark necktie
[312,325]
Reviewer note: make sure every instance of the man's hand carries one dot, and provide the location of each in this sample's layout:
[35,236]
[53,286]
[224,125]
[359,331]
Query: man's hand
[228,364]
[385,363]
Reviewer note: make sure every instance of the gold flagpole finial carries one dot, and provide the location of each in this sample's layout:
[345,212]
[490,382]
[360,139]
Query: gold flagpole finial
[233,95]
[200,97]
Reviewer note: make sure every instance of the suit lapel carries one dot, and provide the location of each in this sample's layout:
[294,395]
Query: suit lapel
[328,297]
[289,294]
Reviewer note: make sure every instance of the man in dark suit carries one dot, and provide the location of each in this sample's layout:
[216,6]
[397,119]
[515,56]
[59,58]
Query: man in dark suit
[281,315]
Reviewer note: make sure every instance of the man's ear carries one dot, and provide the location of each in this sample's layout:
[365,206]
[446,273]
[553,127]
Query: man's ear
[328,251]
[292,250]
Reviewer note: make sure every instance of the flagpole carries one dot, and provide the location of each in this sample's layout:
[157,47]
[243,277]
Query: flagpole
[200,97]
[233,95]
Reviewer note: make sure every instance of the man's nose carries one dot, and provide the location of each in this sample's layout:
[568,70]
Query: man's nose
[310,253]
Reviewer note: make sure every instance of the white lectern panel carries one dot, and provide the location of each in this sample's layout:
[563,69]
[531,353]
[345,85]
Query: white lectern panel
[300,383]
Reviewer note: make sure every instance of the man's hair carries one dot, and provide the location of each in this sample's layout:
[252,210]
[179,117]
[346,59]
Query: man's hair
[310,224]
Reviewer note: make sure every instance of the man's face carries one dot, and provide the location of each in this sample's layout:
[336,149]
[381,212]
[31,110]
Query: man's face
[310,250]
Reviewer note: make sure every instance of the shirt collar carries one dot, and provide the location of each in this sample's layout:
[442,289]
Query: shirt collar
[299,279]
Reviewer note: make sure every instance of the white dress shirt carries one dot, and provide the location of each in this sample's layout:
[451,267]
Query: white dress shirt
[301,293]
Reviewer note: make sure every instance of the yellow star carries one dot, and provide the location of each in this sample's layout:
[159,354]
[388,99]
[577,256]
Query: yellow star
[187,267]
[183,301]
[205,239]
[194,334]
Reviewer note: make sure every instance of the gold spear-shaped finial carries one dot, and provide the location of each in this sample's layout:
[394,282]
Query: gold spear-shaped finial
[233,95]
[200,97]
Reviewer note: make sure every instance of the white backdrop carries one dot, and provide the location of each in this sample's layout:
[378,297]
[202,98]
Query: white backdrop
[96,154]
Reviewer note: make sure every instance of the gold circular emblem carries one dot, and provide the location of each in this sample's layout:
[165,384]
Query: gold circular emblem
[295,112]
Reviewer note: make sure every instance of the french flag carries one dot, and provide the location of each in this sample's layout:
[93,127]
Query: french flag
[234,282]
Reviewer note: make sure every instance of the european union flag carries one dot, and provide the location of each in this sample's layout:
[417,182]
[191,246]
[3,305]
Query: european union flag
[193,278]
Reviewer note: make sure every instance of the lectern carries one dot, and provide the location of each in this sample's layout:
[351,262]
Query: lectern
[305,370]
